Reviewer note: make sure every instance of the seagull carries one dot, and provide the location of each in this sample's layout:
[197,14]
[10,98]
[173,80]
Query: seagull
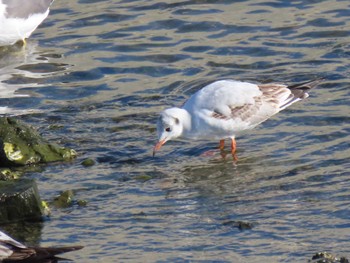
[14,251]
[227,108]
[19,18]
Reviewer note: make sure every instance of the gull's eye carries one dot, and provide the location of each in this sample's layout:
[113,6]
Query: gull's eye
[167,129]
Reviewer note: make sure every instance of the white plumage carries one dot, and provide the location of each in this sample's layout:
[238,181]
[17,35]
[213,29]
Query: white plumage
[19,18]
[13,251]
[227,108]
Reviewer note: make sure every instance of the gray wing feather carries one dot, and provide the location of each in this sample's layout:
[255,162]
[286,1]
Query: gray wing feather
[26,8]
[274,98]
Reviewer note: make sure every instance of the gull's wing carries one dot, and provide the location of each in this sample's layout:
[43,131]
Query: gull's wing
[13,251]
[259,109]
[36,254]
[245,103]
[5,239]
[8,245]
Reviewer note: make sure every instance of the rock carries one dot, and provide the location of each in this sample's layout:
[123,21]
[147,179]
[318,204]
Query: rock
[143,177]
[46,208]
[22,145]
[82,203]
[241,225]
[88,162]
[66,199]
[7,174]
[20,200]
[325,257]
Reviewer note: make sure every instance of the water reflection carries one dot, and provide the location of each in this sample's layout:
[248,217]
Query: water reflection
[102,71]
[23,69]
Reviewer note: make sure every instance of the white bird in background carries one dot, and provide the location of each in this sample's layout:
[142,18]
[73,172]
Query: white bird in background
[19,18]
[13,251]
[227,108]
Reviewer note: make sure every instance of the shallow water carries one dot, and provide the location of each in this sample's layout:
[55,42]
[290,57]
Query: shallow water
[101,71]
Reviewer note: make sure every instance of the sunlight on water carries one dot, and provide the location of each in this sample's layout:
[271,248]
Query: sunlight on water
[103,70]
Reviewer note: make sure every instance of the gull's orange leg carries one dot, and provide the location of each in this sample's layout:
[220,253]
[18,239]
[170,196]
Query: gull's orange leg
[233,149]
[222,145]
[213,152]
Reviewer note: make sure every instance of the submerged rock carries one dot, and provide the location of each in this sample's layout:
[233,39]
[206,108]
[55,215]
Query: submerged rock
[22,145]
[325,257]
[7,174]
[20,200]
[241,225]
[88,162]
[66,199]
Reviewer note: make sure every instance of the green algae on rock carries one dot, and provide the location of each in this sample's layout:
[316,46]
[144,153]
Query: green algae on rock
[7,174]
[88,162]
[21,145]
[20,200]
[66,199]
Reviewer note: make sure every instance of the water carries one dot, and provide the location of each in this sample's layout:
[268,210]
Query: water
[101,71]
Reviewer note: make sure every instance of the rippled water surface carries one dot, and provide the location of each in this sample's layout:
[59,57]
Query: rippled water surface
[101,71]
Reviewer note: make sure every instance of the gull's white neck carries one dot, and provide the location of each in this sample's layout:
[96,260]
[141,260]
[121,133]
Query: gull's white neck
[186,121]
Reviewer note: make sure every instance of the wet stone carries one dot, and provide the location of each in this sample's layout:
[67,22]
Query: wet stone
[325,257]
[64,200]
[143,177]
[88,162]
[21,145]
[241,225]
[20,200]
[67,199]
[82,203]
[7,174]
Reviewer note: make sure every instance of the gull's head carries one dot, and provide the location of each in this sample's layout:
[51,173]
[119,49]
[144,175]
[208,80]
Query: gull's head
[169,126]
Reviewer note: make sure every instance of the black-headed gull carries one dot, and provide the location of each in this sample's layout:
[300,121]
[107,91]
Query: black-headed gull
[19,18]
[13,251]
[227,108]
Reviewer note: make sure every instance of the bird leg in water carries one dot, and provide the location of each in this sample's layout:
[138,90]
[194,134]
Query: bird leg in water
[233,149]
[222,145]
[222,149]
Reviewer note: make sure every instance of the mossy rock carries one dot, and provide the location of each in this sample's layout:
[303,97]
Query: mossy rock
[88,162]
[21,145]
[7,174]
[20,200]
[66,199]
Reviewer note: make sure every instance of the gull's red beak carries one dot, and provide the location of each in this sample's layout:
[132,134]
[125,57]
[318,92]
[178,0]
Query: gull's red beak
[157,146]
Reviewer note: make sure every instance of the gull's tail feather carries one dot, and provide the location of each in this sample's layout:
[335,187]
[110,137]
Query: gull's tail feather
[300,91]
[37,254]
[53,251]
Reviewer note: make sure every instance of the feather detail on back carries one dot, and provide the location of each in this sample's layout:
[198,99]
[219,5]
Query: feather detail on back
[274,98]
